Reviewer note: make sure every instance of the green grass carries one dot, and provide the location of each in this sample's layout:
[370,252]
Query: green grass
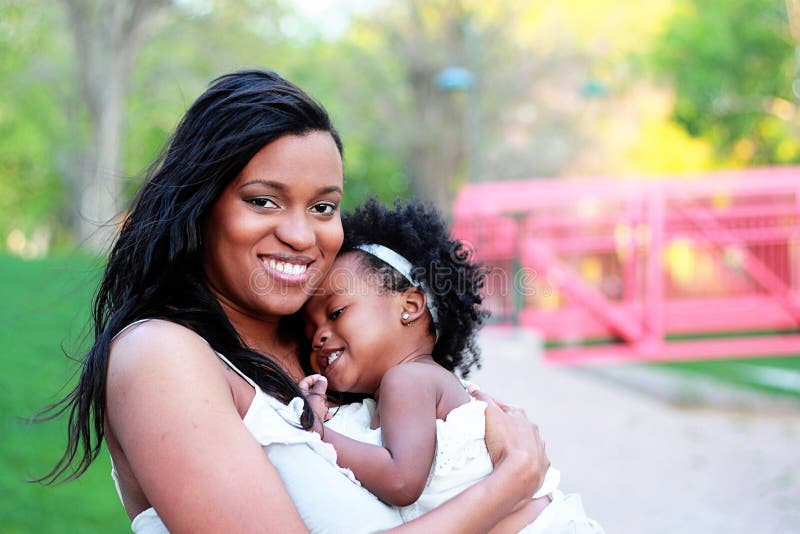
[776,375]
[45,304]
[772,375]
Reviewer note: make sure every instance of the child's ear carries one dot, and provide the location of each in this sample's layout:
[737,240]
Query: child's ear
[413,305]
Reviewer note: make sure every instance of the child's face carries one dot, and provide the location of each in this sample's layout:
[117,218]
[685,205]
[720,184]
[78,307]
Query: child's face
[353,326]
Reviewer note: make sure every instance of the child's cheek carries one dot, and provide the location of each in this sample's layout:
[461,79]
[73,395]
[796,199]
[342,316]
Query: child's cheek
[314,363]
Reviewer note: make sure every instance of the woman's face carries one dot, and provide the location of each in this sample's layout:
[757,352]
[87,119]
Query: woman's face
[275,229]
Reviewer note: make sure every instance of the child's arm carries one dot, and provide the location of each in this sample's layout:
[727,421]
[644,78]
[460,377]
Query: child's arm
[396,473]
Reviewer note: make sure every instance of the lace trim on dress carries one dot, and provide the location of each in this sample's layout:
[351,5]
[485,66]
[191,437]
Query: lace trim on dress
[459,438]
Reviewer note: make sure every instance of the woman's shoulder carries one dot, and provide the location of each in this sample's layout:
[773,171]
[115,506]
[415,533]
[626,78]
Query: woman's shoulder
[156,346]
[159,367]
[145,328]
[154,333]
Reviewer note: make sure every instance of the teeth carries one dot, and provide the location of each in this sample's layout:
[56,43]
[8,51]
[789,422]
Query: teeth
[286,267]
[333,356]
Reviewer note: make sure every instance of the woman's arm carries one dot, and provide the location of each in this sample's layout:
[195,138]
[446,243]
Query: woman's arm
[524,513]
[172,410]
[396,473]
[520,462]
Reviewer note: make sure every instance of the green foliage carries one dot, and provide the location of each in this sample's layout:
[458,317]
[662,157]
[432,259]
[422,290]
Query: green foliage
[731,63]
[202,46]
[40,134]
[45,128]
[45,307]
[370,171]
[354,90]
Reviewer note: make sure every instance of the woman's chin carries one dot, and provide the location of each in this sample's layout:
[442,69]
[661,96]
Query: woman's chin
[287,304]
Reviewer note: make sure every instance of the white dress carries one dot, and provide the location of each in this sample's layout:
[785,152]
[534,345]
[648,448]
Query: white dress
[329,498]
[461,460]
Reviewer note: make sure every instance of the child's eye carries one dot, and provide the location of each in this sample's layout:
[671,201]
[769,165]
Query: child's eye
[335,314]
[324,208]
[262,202]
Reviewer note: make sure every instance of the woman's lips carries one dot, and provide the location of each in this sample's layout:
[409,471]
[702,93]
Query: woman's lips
[291,272]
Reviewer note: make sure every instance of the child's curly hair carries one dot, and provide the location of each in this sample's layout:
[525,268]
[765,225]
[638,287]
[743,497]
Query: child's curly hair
[416,231]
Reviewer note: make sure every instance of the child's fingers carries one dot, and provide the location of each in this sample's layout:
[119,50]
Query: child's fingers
[305,385]
[320,385]
[313,385]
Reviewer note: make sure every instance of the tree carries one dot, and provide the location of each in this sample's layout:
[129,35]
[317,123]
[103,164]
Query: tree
[527,114]
[107,35]
[732,64]
[68,89]
[437,128]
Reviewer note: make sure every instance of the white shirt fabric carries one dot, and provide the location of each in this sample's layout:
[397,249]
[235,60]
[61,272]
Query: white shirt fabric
[329,499]
[461,457]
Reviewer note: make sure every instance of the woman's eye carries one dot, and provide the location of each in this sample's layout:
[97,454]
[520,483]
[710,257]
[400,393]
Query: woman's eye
[336,313]
[262,202]
[324,208]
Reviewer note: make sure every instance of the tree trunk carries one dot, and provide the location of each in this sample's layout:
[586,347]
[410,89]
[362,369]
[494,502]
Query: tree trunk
[107,34]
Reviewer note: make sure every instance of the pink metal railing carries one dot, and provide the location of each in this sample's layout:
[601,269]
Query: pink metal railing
[703,266]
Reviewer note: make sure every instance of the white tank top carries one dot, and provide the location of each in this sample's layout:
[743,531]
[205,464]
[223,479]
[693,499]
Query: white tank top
[328,498]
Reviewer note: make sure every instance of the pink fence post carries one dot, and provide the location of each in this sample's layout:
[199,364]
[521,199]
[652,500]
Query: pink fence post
[794,250]
[654,289]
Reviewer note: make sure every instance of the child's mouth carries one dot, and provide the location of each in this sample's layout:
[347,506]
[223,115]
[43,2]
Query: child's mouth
[333,356]
[328,358]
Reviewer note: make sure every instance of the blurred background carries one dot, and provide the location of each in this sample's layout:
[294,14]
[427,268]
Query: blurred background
[628,168]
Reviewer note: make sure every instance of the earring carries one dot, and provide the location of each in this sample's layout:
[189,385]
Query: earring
[405,316]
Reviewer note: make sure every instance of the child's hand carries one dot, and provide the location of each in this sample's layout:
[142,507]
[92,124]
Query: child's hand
[314,388]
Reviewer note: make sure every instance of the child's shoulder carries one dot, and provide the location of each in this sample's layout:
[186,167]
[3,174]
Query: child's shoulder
[416,370]
[420,375]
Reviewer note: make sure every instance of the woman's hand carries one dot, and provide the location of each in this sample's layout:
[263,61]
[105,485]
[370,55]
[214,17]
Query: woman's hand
[517,451]
[314,387]
[512,438]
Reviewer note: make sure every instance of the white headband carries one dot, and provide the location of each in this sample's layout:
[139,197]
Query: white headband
[403,266]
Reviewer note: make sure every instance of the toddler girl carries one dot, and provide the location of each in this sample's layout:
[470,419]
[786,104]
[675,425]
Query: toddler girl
[395,317]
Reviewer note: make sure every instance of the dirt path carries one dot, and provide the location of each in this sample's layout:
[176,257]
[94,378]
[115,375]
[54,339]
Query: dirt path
[643,465]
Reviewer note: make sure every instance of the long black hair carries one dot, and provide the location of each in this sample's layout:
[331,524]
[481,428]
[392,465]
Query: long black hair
[443,265]
[155,269]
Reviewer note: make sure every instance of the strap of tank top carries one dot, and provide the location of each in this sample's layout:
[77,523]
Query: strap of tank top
[236,369]
[128,326]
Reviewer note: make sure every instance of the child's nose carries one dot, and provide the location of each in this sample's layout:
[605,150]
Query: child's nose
[320,337]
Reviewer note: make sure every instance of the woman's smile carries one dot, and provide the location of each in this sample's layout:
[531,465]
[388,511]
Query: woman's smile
[291,271]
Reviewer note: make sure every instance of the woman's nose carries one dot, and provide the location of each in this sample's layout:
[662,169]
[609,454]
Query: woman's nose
[296,231]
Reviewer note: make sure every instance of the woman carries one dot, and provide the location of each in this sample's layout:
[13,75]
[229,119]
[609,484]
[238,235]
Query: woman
[195,352]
